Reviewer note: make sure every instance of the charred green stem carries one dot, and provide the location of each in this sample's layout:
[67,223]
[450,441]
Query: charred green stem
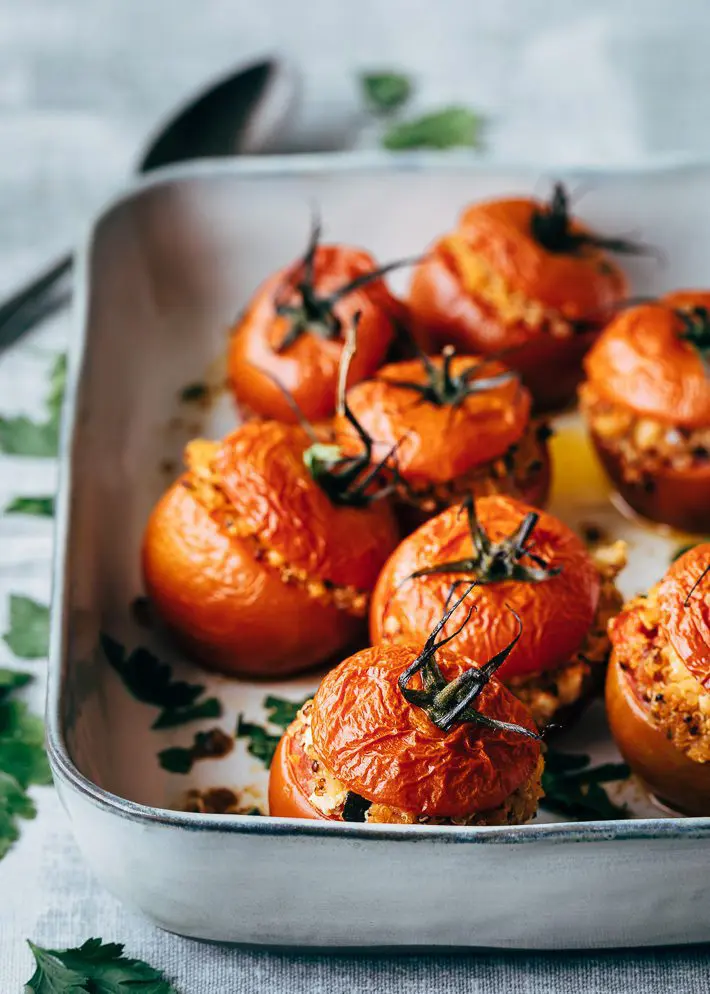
[551,227]
[445,389]
[307,311]
[450,703]
[495,562]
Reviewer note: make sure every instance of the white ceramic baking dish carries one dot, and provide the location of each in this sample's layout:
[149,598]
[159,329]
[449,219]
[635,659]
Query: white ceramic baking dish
[164,272]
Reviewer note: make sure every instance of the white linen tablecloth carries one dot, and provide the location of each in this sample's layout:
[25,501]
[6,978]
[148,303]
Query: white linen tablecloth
[81,81]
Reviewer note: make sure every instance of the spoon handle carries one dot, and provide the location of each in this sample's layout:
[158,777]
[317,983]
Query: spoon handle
[33,302]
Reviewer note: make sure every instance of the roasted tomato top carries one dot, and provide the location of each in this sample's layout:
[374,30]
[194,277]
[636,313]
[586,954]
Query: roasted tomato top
[557,611]
[651,359]
[528,261]
[440,437]
[264,347]
[685,603]
[388,751]
[261,470]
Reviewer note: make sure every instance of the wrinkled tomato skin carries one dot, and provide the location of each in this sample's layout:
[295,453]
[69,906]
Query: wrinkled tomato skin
[670,775]
[229,611]
[679,498]
[308,368]
[556,613]
[289,773]
[685,603]
[578,286]
[388,751]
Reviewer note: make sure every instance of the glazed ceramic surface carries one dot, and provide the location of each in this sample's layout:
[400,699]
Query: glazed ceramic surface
[164,273]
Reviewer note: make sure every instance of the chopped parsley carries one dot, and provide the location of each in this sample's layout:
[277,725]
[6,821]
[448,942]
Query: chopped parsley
[575,789]
[21,436]
[385,92]
[448,128]
[41,507]
[262,742]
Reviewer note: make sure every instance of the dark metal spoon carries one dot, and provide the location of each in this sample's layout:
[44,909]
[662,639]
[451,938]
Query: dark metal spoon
[237,115]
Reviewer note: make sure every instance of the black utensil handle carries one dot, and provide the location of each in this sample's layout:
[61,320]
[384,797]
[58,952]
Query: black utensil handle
[33,302]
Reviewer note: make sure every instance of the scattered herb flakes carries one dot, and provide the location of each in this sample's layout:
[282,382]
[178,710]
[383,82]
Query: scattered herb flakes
[213,744]
[262,743]
[40,507]
[149,680]
[177,759]
[28,635]
[211,707]
[95,967]
[22,758]
[448,128]
[385,92]
[281,712]
[142,612]
[573,788]
[194,393]
[21,436]
[593,533]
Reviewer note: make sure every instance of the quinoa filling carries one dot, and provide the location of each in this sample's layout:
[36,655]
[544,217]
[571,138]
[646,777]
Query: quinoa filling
[510,306]
[328,795]
[204,485]
[548,693]
[677,702]
[644,446]
[509,474]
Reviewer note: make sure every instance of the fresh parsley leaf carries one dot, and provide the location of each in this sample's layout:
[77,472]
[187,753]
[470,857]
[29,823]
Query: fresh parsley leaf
[41,507]
[28,635]
[12,680]
[149,680]
[193,393]
[20,436]
[14,804]
[453,126]
[22,758]
[211,707]
[573,788]
[177,759]
[262,743]
[385,91]
[97,968]
[22,753]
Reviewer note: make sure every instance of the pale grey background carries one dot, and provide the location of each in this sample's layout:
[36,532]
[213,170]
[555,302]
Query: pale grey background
[81,83]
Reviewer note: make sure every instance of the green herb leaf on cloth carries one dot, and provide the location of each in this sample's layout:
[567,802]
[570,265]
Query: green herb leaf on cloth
[28,634]
[41,507]
[21,436]
[448,128]
[96,967]
[385,91]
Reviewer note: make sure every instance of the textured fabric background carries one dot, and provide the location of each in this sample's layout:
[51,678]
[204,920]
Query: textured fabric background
[81,82]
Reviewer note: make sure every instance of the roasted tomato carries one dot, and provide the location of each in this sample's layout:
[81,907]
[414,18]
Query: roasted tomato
[522,558]
[291,336]
[396,734]
[459,425]
[524,280]
[647,402]
[658,684]
[253,564]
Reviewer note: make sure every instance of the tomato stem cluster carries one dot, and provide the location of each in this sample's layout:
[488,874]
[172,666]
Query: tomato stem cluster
[495,562]
[311,313]
[450,703]
[444,388]
[551,228]
[696,331]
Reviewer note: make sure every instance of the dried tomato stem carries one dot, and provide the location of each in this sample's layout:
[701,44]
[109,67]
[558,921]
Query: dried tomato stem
[448,704]
[551,228]
[311,313]
[443,389]
[495,562]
